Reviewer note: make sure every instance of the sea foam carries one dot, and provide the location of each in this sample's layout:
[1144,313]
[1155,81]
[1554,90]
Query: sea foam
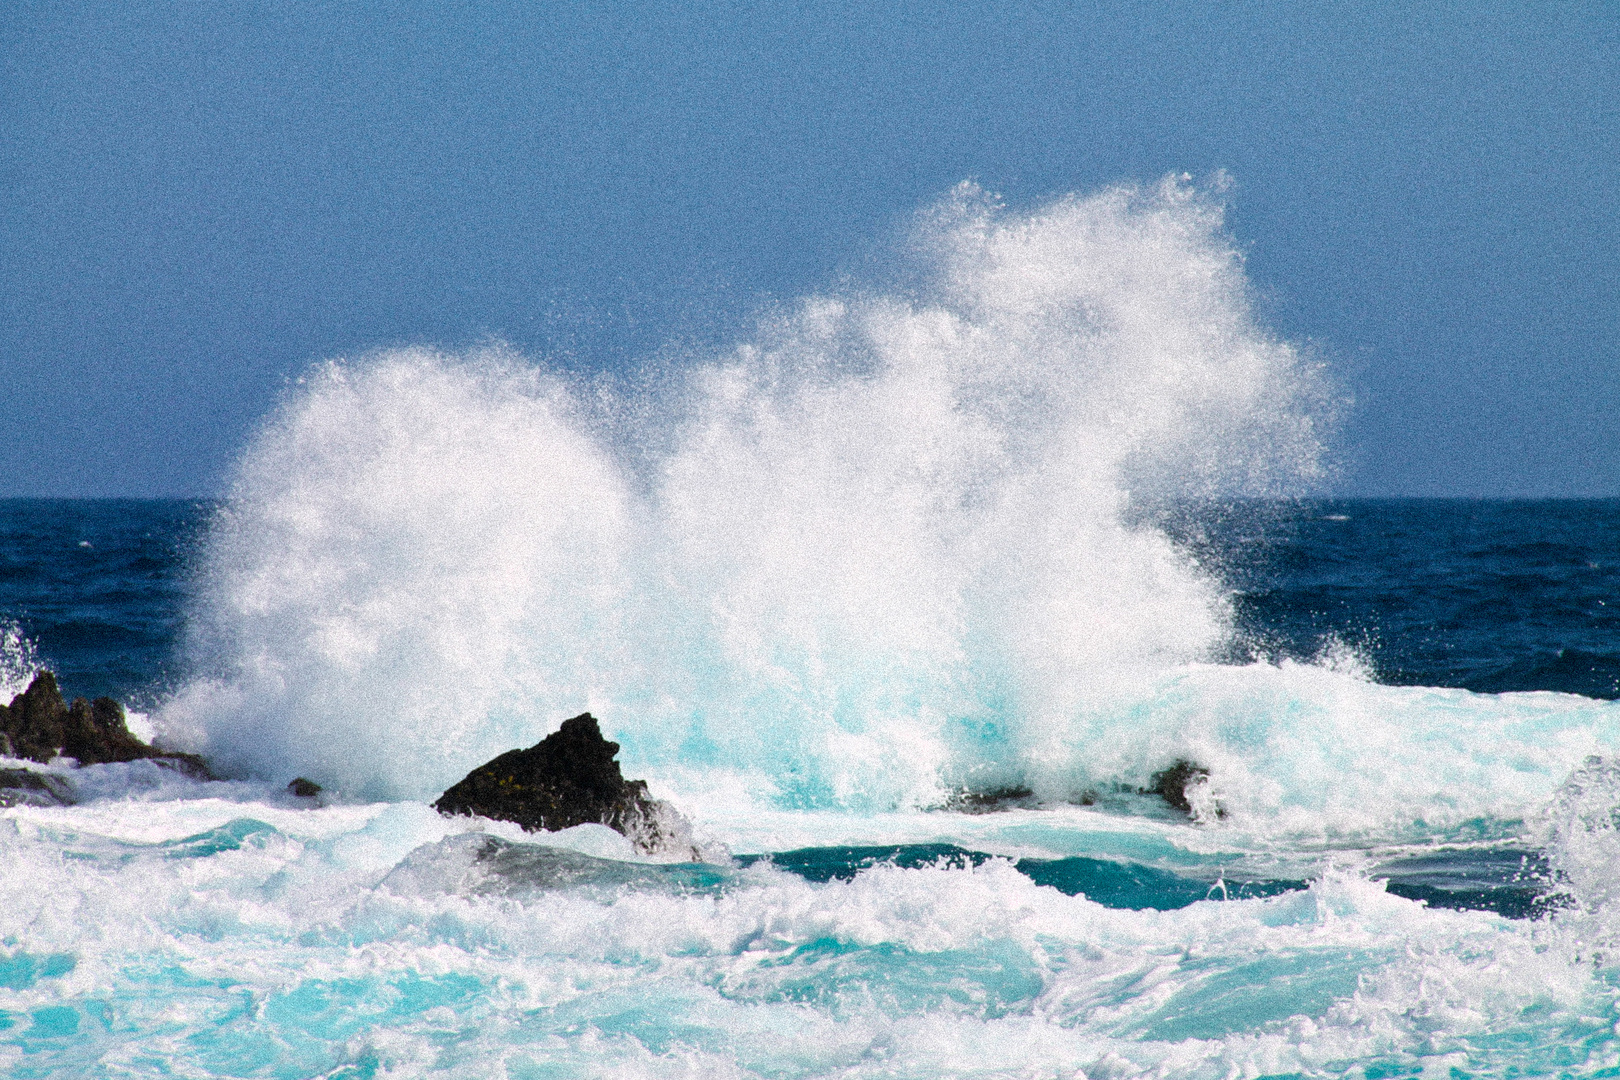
[244,938]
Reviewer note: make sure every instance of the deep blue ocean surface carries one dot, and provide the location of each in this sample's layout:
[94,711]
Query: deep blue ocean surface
[1490,596]
[99,588]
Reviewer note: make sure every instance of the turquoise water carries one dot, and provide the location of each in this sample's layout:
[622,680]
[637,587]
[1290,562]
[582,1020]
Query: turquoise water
[382,939]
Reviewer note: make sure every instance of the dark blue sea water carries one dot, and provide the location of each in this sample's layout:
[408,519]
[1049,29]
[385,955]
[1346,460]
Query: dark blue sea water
[99,587]
[1490,596]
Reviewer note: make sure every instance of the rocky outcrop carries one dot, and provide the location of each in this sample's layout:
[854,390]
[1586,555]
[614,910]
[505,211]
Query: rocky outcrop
[302,788]
[569,778]
[39,725]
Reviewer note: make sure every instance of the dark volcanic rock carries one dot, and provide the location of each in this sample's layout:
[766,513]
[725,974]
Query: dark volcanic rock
[26,787]
[568,778]
[304,789]
[970,801]
[1171,785]
[38,725]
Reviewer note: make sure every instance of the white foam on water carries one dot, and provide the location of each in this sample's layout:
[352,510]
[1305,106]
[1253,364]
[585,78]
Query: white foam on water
[890,548]
[140,726]
[282,951]
[1306,753]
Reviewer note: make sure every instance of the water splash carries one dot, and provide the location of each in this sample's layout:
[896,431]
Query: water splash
[19,661]
[418,549]
[884,550]
[1582,836]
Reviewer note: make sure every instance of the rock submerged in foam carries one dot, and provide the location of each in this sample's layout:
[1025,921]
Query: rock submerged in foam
[1185,786]
[570,778]
[40,726]
[25,787]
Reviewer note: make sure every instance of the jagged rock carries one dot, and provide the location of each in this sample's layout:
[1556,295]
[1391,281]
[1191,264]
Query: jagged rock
[970,801]
[25,787]
[39,726]
[304,789]
[1173,784]
[568,778]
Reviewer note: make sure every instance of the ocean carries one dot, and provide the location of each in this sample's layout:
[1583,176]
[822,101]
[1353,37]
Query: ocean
[909,606]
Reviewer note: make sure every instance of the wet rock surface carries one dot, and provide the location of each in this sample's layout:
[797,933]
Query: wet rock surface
[25,787]
[991,800]
[39,725]
[1175,784]
[568,778]
[482,865]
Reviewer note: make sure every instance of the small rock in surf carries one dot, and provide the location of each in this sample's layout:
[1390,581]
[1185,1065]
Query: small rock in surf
[39,725]
[970,801]
[304,789]
[570,778]
[1180,785]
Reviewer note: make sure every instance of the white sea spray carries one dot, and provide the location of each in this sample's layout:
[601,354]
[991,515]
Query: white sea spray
[19,660]
[882,552]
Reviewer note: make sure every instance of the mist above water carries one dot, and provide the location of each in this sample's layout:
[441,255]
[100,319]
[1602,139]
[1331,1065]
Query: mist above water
[883,550]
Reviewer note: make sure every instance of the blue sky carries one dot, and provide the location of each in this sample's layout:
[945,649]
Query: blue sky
[202,199]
